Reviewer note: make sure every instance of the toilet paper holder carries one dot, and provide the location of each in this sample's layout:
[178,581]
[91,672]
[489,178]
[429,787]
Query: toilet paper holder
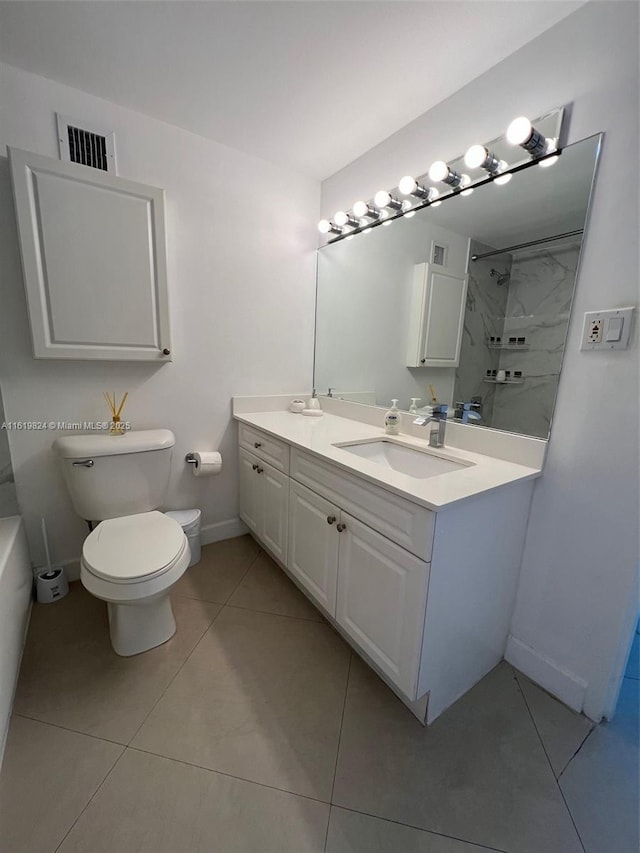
[191,458]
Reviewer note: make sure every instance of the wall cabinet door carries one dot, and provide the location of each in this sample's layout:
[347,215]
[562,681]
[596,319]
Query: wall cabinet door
[94,261]
[381,601]
[437,318]
[313,544]
[264,503]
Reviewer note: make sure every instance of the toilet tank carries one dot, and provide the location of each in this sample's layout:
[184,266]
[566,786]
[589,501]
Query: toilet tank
[113,475]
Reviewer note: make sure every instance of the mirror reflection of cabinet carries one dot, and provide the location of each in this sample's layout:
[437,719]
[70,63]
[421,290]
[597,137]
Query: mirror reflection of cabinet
[437,317]
[94,261]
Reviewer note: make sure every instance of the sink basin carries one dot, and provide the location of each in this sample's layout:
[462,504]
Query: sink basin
[406,460]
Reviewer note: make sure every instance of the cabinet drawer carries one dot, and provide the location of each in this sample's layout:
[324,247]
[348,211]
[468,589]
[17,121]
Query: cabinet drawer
[269,449]
[409,525]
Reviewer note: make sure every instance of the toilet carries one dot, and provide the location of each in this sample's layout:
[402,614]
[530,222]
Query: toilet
[135,554]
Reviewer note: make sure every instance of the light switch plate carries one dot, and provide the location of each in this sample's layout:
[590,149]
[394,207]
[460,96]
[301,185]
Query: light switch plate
[606,330]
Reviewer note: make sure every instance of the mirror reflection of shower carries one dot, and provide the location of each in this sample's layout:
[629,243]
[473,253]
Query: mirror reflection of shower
[502,277]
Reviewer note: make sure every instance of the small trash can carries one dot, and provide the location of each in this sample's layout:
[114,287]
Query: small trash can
[189,521]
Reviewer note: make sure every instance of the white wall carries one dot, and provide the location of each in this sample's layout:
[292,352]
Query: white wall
[578,587]
[241,236]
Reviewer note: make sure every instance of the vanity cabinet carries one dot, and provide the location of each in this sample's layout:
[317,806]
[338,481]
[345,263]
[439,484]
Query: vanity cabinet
[425,598]
[264,503]
[94,261]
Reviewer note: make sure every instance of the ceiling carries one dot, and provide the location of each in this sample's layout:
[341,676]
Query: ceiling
[307,85]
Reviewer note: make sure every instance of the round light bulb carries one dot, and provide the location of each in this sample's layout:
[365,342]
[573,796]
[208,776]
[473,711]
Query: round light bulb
[341,218]
[438,171]
[384,213]
[360,209]
[519,130]
[475,156]
[324,226]
[381,199]
[407,185]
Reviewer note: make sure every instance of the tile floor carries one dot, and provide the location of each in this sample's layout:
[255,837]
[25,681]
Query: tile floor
[256,730]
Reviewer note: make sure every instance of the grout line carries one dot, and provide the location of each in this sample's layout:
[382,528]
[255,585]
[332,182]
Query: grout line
[195,646]
[175,675]
[335,766]
[68,729]
[582,743]
[227,775]
[91,798]
[478,844]
[556,778]
[273,613]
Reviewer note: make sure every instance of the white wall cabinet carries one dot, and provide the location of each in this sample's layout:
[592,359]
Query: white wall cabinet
[94,261]
[425,598]
[264,503]
[436,323]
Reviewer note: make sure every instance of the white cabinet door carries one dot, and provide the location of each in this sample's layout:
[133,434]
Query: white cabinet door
[313,544]
[437,318]
[382,593]
[275,510]
[250,491]
[94,261]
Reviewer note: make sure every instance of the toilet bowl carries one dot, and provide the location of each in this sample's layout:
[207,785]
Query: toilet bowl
[131,562]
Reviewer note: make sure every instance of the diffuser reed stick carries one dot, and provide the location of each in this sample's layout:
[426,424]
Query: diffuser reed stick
[116,427]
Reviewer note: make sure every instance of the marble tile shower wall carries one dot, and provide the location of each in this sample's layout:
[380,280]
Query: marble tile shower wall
[8,500]
[538,305]
[484,318]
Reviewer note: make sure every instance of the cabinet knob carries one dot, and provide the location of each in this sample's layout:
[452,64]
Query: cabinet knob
[260,470]
[422,360]
[341,527]
[331,519]
[255,467]
[166,351]
[257,444]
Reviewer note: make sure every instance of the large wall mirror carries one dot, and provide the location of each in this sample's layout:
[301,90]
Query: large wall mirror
[471,297]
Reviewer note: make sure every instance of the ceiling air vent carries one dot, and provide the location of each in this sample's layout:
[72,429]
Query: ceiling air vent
[438,255]
[89,146]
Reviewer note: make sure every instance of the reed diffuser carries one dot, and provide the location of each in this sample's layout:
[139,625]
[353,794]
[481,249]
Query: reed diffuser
[116,428]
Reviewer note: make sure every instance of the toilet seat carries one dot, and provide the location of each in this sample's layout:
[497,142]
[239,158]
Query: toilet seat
[134,548]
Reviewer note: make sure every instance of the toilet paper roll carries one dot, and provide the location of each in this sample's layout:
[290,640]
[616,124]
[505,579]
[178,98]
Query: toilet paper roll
[207,464]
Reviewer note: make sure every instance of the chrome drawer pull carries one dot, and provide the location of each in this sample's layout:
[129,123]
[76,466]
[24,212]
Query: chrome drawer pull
[331,519]
[86,463]
[341,527]
[257,444]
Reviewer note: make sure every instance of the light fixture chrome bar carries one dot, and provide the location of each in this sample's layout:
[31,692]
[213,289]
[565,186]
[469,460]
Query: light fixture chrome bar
[526,245]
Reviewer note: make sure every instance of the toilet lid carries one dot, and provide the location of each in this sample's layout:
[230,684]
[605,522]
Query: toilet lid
[133,547]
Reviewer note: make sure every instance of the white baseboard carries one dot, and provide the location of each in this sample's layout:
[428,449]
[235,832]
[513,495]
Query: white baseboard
[566,686]
[223,530]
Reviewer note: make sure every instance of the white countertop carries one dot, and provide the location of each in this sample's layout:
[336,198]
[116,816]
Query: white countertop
[319,435]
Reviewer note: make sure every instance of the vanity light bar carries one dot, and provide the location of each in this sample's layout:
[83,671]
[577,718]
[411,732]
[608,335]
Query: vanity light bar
[386,207]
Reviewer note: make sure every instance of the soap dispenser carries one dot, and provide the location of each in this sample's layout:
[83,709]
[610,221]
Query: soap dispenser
[413,408]
[392,420]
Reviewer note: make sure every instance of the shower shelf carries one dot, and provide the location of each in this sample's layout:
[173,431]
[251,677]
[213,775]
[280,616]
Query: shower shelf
[506,381]
[508,346]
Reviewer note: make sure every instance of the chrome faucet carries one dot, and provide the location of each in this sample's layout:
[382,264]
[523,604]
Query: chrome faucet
[438,424]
